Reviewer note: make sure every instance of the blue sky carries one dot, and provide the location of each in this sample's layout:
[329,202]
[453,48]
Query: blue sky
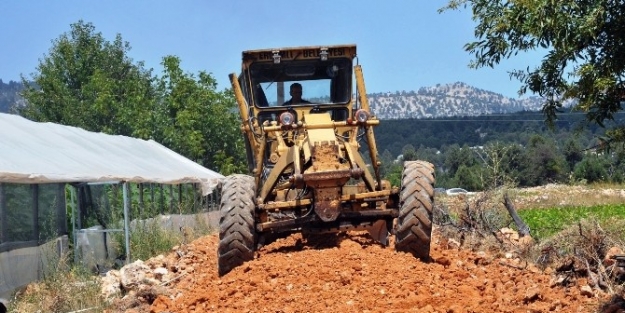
[402,44]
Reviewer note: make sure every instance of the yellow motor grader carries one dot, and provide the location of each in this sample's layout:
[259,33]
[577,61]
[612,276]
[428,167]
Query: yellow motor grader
[314,161]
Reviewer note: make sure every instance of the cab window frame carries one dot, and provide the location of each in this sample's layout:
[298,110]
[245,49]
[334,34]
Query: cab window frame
[339,86]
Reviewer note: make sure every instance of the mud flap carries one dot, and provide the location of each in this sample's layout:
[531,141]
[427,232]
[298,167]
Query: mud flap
[379,232]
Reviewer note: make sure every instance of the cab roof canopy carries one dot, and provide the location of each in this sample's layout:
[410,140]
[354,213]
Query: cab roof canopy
[276,55]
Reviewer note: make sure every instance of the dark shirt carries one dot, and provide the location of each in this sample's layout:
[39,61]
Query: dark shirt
[302,102]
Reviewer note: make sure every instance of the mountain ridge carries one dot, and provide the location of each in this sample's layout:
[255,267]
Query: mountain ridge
[445,100]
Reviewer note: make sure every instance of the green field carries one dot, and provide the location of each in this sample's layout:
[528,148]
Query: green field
[546,222]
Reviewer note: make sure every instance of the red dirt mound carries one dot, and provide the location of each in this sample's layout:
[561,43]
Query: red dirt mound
[359,275]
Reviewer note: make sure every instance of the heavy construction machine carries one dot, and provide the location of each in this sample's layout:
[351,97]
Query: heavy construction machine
[314,165]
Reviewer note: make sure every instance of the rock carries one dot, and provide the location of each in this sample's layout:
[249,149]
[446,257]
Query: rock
[444,261]
[558,280]
[526,241]
[157,261]
[110,291]
[160,272]
[453,244]
[586,291]
[150,281]
[509,234]
[607,261]
[532,294]
[110,284]
[133,274]
[533,268]
[482,258]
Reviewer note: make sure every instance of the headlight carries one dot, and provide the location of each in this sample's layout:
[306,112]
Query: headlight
[361,116]
[287,118]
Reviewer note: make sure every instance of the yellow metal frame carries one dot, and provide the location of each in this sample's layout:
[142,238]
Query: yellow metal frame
[292,145]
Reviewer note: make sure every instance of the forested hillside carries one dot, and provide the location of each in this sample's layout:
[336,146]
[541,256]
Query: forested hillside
[394,135]
[470,152]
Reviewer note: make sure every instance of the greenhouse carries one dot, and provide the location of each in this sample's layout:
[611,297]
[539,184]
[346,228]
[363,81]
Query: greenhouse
[60,183]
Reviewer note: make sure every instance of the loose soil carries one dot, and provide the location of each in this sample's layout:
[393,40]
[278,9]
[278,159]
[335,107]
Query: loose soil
[358,275]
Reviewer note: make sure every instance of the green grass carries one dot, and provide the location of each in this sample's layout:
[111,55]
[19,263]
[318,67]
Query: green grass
[544,223]
[148,239]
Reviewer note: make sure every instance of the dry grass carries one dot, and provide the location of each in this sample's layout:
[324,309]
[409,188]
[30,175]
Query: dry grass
[550,196]
[70,288]
[578,250]
[489,204]
[62,290]
[486,212]
[586,241]
[473,221]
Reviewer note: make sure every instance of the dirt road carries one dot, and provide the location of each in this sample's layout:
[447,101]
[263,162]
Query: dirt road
[358,275]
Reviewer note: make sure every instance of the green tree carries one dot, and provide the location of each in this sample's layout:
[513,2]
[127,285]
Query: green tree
[431,155]
[618,165]
[387,160]
[469,177]
[391,168]
[512,162]
[591,169]
[409,153]
[497,160]
[89,82]
[455,156]
[542,163]
[583,44]
[572,153]
[198,121]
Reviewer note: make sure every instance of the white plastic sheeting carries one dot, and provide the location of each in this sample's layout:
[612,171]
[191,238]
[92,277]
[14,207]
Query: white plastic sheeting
[32,152]
[19,267]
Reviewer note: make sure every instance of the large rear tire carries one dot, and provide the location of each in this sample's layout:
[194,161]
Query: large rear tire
[413,232]
[237,235]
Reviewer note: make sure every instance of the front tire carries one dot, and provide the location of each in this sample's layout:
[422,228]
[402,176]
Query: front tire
[237,235]
[413,232]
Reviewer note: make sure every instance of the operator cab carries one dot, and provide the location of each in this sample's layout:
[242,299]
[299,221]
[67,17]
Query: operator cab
[324,73]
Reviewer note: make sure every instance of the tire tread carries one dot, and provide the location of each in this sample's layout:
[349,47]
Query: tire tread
[237,236]
[414,223]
